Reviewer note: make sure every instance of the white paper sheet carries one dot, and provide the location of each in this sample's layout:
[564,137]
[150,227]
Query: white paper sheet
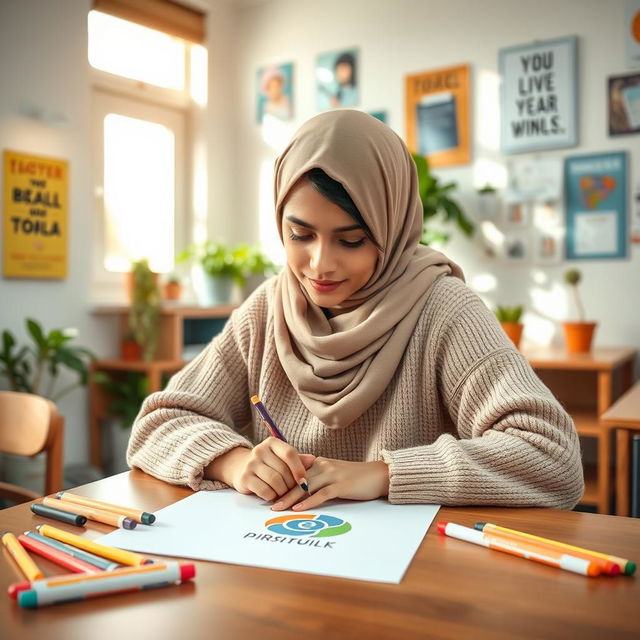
[362,540]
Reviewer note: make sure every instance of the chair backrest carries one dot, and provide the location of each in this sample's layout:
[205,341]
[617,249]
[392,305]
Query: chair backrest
[31,424]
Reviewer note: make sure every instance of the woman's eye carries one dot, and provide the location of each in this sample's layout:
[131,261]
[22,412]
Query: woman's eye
[353,244]
[300,237]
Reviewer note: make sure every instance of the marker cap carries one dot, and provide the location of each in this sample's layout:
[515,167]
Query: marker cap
[28,599]
[147,518]
[129,523]
[630,568]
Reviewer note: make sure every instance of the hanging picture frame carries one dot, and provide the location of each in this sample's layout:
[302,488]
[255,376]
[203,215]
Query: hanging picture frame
[624,104]
[437,116]
[539,94]
[274,91]
[596,206]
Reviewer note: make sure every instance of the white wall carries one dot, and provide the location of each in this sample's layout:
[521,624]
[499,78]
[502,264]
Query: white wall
[397,37]
[43,62]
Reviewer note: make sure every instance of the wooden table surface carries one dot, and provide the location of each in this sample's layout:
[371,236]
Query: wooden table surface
[452,589]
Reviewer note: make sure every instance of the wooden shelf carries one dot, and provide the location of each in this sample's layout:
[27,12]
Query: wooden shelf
[590,495]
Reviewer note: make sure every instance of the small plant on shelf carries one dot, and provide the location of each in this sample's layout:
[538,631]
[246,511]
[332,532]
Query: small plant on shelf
[578,335]
[144,315]
[509,318]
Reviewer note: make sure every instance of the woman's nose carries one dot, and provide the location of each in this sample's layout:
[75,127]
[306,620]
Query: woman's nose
[322,259]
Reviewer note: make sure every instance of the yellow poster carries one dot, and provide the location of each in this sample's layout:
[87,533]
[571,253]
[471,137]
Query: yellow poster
[35,229]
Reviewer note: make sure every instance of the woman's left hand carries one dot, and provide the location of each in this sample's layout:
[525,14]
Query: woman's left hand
[328,479]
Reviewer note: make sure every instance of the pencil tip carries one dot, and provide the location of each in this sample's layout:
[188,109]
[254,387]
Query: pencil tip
[304,485]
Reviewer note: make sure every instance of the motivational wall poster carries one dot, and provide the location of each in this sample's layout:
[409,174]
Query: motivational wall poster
[372,540]
[539,95]
[437,116]
[35,230]
[624,104]
[596,206]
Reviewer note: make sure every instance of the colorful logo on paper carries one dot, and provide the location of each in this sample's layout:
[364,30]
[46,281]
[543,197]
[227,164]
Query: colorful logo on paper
[595,189]
[308,524]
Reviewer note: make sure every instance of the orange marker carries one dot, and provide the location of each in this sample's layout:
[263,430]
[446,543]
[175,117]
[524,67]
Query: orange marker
[23,559]
[98,515]
[523,549]
[606,563]
[117,555]
[140,516]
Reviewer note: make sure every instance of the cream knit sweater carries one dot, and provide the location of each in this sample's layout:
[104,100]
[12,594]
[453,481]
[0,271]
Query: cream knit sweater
[464,421]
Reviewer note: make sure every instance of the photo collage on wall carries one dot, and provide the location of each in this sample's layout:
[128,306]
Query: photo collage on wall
[537,218]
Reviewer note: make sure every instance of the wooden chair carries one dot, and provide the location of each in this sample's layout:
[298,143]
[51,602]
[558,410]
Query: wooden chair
[31,424]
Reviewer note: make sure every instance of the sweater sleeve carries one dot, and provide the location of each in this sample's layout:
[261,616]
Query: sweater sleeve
[514,443]
[197,418]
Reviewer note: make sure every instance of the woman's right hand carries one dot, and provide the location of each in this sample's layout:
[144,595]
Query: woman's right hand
[270,470]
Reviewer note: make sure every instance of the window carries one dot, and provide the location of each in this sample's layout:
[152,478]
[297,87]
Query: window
[145,84]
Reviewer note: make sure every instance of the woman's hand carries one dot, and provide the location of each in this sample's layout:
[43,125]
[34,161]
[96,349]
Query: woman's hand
[271,469]
[328,478]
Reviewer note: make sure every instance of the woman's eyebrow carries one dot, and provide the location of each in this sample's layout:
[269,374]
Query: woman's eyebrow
[302,223]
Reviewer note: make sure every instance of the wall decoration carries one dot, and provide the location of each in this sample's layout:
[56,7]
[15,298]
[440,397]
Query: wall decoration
[35,230]
[517,213]
[337,79]
[539,95]
[274,91]
[596,205]
[635,213]
[516,247]
[632,33]
[380,115]
[547,245]
[437,116]
[624,104]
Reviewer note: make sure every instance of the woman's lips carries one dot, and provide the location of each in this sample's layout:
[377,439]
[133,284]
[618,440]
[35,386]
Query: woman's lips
[325,286]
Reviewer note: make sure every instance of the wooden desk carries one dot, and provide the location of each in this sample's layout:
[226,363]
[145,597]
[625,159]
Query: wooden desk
[587,384]
[624,417]
[452,589]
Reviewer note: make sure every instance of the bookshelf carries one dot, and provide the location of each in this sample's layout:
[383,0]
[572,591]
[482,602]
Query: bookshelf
[184,330]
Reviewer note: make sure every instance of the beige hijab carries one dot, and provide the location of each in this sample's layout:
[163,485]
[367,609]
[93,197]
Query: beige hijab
[341,365]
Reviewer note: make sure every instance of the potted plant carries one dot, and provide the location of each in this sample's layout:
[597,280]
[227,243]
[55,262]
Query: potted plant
[144,314]
[219,269]
[436,199]
[509,318]
[125,396]
[172,288]
[488,204]
[254,265]
[578,335]
[36,368]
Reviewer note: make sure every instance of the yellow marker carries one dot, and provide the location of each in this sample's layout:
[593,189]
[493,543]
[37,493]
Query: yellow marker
[117,555]
[22,558]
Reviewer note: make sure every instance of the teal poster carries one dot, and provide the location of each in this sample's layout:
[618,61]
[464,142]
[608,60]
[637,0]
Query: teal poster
[596,206]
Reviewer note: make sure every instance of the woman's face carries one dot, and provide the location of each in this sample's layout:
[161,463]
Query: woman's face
[329,253]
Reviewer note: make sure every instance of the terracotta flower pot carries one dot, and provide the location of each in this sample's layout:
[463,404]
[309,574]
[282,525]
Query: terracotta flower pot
[579,336]
[171,291]
[130,350]
[513,331]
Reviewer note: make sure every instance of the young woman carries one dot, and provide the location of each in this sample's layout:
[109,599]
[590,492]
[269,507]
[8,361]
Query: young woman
[386,375]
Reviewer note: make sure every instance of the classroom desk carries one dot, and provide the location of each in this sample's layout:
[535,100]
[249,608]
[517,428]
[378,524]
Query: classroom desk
[624,417]
[452,589]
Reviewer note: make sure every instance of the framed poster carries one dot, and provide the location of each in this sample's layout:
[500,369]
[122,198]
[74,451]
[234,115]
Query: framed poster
[596,206]
[539,95]
[624,104]
[632,33]
[35,230]
[437,117]
[274,91]
[337,79]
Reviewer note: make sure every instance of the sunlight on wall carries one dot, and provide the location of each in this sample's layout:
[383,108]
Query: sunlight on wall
[483,282]
[490,172]
[269,238]
[487,101]
[199,74]
[275,132]
[200,192]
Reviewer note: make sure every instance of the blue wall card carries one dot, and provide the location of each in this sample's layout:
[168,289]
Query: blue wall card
[596,206]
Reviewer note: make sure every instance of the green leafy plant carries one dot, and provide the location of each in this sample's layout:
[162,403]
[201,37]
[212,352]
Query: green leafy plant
[126,395]
[144,315]
[216,259]
[436,199]
[573,277]
[253,262]
[509,314]
[34,368]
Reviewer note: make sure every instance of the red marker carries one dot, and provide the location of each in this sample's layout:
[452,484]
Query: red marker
[59,557]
